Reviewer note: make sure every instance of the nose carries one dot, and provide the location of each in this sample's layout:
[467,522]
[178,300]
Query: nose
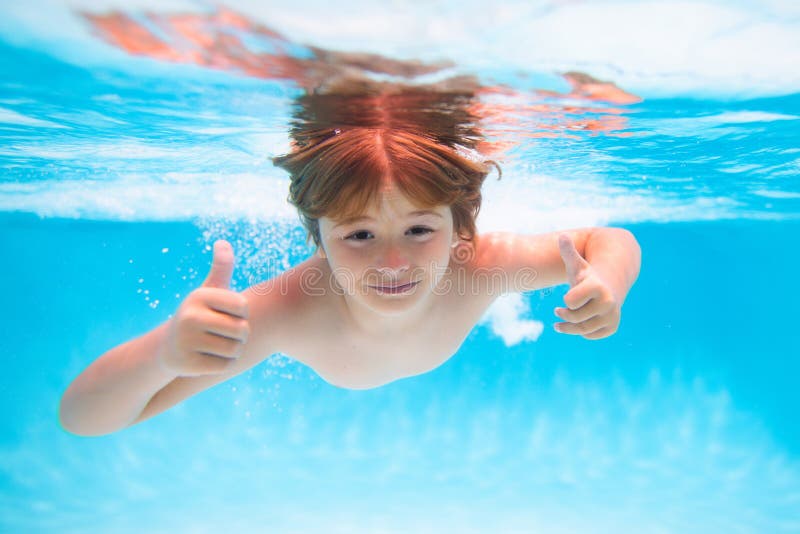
[393,261]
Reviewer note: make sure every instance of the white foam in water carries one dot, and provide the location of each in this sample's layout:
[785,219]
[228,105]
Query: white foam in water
[537,203]
[506,320]
[175,197]
[734,117]
[532,203]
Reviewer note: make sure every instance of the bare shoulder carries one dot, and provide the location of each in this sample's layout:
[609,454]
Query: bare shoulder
[284,308]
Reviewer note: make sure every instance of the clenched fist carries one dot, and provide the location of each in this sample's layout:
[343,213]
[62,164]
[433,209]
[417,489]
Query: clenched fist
[210,329]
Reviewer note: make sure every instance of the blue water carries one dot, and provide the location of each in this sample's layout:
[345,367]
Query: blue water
[115,176]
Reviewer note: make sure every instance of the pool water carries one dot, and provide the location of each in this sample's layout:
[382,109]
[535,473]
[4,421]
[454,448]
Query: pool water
[119,169]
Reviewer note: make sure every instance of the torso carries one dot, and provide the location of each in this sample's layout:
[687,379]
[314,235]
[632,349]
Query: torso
[318,334]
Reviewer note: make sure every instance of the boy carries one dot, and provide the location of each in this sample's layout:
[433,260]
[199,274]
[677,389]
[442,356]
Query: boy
[387,183]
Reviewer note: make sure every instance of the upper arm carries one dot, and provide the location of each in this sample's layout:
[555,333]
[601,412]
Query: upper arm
[274,307]
[520,263]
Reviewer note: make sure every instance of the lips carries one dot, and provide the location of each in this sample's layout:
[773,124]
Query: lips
[396,289]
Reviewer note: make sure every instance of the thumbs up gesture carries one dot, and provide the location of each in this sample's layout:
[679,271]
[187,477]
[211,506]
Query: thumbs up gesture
[210,329]
[593,311]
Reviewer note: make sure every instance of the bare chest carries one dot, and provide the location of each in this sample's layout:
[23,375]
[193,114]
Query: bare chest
[346,359]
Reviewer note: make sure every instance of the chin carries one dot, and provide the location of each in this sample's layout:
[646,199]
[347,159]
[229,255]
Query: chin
[391,304]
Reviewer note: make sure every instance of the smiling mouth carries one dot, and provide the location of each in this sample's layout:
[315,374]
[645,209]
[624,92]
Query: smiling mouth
[395,289]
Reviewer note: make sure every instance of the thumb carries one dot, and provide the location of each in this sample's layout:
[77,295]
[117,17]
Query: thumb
[572,258]
[221,266]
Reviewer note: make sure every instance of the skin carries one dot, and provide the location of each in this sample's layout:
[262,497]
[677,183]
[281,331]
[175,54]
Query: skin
[323,312]
[389,248]
[328,314]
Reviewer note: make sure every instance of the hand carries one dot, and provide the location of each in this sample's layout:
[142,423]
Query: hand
[210,329]
[593,311]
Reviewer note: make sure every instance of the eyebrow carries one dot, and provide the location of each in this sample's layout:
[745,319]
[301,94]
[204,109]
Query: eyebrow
[417,213]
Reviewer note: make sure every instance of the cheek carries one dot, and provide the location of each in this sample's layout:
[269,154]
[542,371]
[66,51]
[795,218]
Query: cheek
[347,266]
[437,257]
[350,258]
[344,273]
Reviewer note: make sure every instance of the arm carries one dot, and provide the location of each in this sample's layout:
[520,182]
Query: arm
[207,342]
[129,384]
[600,265]
[116,387]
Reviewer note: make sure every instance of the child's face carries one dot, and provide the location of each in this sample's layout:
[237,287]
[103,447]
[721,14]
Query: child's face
[372,259]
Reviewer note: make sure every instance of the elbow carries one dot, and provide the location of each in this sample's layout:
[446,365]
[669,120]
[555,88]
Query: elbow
[635,247]
[71,421]
[634,250]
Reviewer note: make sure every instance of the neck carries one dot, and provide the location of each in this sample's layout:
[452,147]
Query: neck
[370,322]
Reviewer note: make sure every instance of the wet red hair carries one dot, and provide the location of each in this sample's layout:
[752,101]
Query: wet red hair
[348,146]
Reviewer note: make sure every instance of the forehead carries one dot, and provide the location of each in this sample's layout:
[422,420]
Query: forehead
[392,199]
[390,204]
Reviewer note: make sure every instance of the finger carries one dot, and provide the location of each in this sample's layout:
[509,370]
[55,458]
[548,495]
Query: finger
[222,324]
[221,266]
[222,347]
[573,261]
[601,333]
[585,312]
[579,295]
[582,328]
[225,301]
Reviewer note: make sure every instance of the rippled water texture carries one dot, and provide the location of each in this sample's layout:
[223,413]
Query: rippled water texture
[133,134]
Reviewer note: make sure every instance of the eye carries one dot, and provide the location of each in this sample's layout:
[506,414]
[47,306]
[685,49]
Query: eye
[364,235]
[421,230]
[359,235]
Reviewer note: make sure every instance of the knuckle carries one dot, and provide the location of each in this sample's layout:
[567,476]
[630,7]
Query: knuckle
[201,293]
[245,330]
[244,306]
[605,303]
[191,317]
[606,296]
[224,347]
[233,346]
[587,327]
[192,297]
